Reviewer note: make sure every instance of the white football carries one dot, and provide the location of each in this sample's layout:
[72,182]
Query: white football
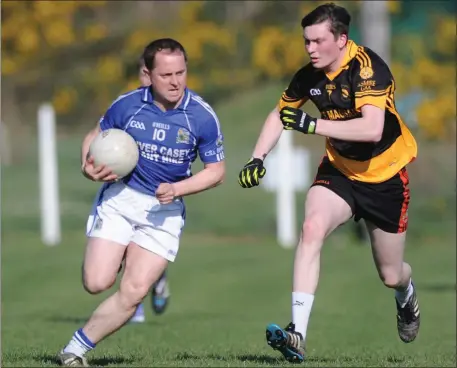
[115,149]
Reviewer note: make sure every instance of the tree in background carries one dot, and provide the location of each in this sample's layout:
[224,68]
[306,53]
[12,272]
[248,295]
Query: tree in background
[81,54]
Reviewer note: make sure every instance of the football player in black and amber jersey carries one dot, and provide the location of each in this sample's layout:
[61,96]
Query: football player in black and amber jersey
[362,175]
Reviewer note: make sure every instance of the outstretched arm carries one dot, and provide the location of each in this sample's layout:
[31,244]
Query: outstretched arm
[269,135]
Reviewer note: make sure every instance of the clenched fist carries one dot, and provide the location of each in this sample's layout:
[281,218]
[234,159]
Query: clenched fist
[165,193]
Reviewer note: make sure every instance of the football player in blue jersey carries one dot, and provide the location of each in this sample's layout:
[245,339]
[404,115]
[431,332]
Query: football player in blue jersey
[160,292]
[141,216]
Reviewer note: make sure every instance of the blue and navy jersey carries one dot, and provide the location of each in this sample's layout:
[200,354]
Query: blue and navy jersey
[168,141]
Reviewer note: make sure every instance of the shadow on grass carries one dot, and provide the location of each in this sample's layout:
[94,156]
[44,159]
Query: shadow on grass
[66,319]
[266,359]
[260,358]
[82,320]
[438,287]
[100,362]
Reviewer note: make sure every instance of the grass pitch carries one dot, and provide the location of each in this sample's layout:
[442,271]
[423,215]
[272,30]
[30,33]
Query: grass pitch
[224,292]
[230,279]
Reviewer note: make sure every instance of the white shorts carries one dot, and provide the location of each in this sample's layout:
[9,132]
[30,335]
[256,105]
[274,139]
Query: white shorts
[124,215]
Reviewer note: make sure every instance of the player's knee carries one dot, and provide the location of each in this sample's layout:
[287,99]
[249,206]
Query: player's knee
[312,231]
[390,277]
[96,284]
[133,292]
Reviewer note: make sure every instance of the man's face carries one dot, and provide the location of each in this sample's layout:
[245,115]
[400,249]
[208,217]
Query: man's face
[321,45]
[169,75]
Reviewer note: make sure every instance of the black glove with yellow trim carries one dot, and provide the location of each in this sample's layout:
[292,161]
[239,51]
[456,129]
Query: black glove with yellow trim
[297,119]
[251,173]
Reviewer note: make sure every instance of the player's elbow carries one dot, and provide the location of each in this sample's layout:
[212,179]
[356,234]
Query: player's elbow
[376,131]
[373,120]
[377,136]
[220,177]
[220,181]
[217,173]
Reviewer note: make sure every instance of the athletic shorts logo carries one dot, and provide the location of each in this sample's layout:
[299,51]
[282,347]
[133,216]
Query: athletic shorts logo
[322,182]
[98,223]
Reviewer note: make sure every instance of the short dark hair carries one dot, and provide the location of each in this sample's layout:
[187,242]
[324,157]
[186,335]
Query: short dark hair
[156,46]
[338,17]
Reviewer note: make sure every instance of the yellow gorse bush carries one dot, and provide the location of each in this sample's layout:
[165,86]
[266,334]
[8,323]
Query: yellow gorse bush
[64,100]
[436,116]
[224,57]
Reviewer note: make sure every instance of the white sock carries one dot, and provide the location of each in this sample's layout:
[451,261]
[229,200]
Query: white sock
[403,296]
[79,344]
[301,310]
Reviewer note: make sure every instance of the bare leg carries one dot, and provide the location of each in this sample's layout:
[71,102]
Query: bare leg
[102,260]
[388,251]
[142,269]
[324,212]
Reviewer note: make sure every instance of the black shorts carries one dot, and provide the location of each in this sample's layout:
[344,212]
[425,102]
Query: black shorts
[383,204]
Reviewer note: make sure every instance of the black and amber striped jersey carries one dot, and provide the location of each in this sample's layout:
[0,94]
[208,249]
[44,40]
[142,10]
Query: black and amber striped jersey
[363,78]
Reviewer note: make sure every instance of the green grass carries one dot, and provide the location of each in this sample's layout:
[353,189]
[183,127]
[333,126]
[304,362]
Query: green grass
[224,292]
[230,278]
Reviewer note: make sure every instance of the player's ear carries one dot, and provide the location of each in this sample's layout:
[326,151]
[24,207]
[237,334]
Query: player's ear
[342,40]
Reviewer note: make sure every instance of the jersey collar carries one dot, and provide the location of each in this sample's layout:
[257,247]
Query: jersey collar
[149,98]
[351,51]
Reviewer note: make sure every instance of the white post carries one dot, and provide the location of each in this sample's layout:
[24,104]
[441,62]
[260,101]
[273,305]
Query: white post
[285,198]
[5,145]
[49,182]
[375,27]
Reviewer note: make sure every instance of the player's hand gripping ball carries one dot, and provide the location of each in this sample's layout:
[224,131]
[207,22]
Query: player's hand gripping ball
[115,149]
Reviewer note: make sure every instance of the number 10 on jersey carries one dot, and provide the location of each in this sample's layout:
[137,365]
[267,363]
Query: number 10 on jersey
[159,135]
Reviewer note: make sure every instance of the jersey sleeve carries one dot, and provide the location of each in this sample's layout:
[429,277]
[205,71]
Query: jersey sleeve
[112,118]
[296,94]
[211,141]
[373,81]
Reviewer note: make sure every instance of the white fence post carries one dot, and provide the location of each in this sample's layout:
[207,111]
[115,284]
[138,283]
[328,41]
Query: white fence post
[5,145]
[287,172]
[49,178]
[285,194]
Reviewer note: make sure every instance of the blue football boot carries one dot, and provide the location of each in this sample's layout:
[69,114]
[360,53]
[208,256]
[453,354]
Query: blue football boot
[160,294]
[289,342]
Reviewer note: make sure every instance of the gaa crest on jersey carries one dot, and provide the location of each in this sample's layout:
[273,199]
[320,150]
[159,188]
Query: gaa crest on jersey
[183,136]
[366,72]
